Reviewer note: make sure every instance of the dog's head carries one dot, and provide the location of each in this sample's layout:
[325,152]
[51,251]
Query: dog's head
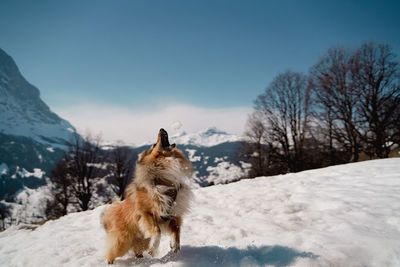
[161,148]
[162,154]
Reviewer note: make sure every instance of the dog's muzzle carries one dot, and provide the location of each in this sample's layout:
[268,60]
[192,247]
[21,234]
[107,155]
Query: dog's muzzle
[164,140]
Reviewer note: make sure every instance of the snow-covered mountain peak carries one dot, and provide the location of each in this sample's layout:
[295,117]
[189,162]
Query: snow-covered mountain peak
[213,131]
[22,111]
[208,137]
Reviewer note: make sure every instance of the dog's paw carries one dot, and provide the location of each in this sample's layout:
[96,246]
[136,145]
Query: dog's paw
[152,253]
[175,247]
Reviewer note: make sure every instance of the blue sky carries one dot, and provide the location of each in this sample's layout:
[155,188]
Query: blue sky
[150,55]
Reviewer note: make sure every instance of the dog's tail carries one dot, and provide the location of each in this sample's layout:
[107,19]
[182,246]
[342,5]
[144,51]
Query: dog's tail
[103,219]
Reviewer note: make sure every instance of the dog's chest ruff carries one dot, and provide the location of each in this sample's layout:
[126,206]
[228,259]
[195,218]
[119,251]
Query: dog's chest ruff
[168,191]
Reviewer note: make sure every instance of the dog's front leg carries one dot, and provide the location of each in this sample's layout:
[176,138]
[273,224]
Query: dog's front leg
[150,229]
[174,228]
[154,243]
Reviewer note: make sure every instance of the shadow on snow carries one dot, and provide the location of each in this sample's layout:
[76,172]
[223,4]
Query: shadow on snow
[217,256]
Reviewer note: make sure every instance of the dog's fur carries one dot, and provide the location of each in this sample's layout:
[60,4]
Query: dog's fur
[155,202]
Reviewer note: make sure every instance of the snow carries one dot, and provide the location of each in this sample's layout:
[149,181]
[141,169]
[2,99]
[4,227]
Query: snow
[347,215]
[38,173]
[205,138]
[29,204]
[206,158]
[191,155]
[40,132]
[224,172]
[32,119]
[217,159]
[3,168]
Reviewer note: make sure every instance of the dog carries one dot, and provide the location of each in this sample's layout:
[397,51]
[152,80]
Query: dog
[155,203]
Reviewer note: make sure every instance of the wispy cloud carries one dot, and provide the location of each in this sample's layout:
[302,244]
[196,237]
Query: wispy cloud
[138,126]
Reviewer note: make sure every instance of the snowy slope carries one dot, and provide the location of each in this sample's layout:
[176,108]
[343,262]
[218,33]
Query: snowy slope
[346,215]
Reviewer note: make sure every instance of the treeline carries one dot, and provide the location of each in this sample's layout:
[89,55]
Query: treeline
[88,173]
[345,109]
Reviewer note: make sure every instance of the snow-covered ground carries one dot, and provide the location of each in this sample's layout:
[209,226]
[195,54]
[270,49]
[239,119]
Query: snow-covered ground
[226,172]
[346,215]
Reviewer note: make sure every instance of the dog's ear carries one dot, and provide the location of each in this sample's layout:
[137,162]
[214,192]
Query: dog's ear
[145,153]
[141,156]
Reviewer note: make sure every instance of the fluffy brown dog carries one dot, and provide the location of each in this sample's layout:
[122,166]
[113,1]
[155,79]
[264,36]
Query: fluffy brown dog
[155,202]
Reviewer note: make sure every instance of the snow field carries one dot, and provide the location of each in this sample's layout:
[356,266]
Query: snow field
[347,215]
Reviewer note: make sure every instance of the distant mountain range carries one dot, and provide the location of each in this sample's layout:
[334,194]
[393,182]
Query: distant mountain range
[207,138]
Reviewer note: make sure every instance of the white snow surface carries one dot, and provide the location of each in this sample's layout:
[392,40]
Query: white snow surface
[22,172]
[29,204]
[347,215]
[38,173]
[224,172]
[191,155]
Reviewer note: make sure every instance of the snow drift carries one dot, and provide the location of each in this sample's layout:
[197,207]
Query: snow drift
[346,215]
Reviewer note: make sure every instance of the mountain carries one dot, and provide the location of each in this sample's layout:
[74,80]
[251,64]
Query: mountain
[213,154]
[32,137]
[345,215]
[22,111]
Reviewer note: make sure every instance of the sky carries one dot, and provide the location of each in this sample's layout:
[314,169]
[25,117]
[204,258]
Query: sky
[112,66]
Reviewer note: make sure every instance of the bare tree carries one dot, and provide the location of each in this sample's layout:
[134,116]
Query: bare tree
[4,214]
[396,126]
[122,163]
[337,94]
[255,147]
[327,130]
[377,78]
[353,99]
[85,166]
[285,105]
[61,192]
[326,126]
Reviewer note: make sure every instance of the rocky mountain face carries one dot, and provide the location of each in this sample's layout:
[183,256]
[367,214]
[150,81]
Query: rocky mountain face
[32,137]
[22,111]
